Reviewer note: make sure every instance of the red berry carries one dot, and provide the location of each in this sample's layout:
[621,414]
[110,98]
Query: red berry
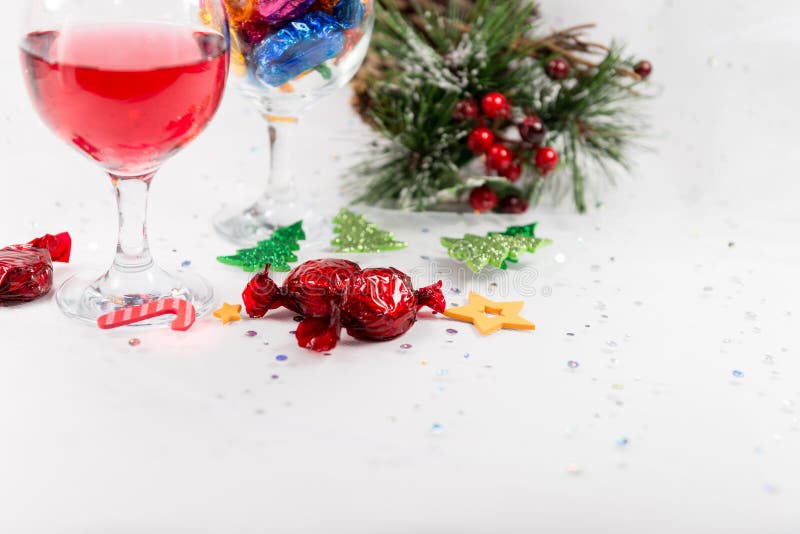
[480,140]
[499,158]
[532,130]
[465,110]
[558,68]
[482,198]
[643,69]
[495,105]
[513,204]
[512,173]
[546,159]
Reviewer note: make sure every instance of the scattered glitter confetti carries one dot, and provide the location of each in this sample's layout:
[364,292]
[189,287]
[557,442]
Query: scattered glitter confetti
[737,373]
[437,428]
[134,342]
[186,263]
[251,333]
[621,441]
[405,346]
[572,364]
[455,291]
[281,357]
[452,331]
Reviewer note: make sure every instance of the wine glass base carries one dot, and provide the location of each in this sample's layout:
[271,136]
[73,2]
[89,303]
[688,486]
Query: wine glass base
[247,227]
[86,300]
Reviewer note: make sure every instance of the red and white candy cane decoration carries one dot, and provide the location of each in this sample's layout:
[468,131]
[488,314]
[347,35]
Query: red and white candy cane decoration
[133,314]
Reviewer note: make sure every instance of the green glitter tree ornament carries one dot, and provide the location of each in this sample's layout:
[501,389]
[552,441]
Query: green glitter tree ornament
[495,249]
[357,234]
[276,251]
[528,230]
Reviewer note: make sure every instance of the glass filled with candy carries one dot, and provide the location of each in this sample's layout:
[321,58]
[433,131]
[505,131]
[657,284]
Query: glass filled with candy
[286,55]
[128,84]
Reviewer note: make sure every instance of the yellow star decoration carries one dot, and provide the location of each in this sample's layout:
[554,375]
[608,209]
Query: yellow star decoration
[229,313]
[489,316]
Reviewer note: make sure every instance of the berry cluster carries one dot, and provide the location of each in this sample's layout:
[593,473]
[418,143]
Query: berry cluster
[503,156]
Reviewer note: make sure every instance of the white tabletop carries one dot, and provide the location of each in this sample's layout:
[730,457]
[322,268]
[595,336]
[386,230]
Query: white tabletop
[684,273]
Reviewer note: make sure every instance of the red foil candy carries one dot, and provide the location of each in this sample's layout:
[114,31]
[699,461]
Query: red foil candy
[374,304]
[311,289]
[26,271]
[381,304]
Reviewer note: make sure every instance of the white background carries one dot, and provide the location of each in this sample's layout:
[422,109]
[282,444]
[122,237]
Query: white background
[687,272]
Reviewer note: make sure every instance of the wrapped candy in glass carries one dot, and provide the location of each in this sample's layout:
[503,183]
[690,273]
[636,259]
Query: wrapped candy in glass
[288,54]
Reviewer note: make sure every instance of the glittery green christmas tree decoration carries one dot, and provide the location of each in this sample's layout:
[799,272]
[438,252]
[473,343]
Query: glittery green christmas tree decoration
[276,251]
[357,234]
[528,230]
[495,249]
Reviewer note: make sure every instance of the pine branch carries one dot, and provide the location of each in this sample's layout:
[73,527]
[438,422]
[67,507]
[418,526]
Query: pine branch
[429,54]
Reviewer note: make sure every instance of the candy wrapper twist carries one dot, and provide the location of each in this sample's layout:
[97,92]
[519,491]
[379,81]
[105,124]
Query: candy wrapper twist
[331,294]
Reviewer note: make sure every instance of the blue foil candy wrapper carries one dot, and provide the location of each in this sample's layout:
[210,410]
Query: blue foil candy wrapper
[299,46]
[349,13]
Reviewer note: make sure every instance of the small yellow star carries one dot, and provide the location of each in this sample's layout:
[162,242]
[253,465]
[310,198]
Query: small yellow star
[489,316]
[229,313]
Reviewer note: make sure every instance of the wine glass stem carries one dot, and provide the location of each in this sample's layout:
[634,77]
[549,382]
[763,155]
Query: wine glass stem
[281,184]
[133,250]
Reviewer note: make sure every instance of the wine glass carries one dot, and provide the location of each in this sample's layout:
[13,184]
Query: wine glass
[286,55]
[128,83]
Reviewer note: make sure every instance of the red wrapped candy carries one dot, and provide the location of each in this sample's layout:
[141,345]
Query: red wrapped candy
[26,271]
[381,304]
[310,289]
[373,304]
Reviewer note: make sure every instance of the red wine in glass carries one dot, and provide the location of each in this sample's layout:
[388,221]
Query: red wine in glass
[128,95]
[129,83]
